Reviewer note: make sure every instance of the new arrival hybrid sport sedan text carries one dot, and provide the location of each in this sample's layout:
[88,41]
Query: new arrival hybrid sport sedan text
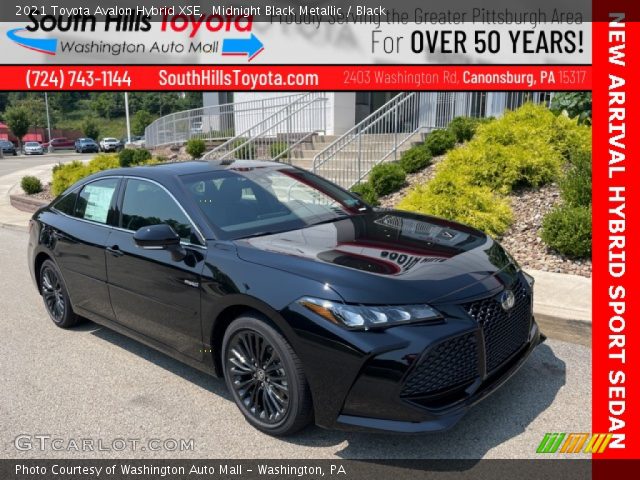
[312,305]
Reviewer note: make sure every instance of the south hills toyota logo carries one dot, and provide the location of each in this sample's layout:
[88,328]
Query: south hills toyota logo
[31,36]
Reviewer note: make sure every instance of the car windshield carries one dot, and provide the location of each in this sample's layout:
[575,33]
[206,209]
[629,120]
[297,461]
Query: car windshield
[245,202]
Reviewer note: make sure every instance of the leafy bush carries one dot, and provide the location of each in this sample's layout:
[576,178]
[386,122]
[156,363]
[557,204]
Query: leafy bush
[31,185]
[366,192]
[195,147]
[503,168]
[473,205]
[245,150]
[386,178]
[439,141]
[527,147]
[567,229]
[575,104]
[576,185]
[66,175]
[141,156]
[415,159]
[126,157]
[464,128]
[278,148]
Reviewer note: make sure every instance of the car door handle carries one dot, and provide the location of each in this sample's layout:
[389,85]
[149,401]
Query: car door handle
[115,251]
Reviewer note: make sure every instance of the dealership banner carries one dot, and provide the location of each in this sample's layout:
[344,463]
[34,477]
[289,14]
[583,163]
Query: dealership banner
[339,89]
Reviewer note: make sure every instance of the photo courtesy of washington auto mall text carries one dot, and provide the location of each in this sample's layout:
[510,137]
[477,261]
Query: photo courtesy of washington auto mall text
[278,239]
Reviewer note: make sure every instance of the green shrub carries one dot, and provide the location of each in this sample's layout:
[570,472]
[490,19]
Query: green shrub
[575,104]
[464,128]
[460,202]
[195,147]
[278,148]
[439,141]
[503,167]
[567,229]
[126,157]
[386,178]
[366,192]
[66,175]
[576,185]
[31,185]
[141,156]
[415,159]
[245,150]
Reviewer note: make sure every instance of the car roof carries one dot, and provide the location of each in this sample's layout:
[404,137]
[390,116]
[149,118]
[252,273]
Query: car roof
[175,169]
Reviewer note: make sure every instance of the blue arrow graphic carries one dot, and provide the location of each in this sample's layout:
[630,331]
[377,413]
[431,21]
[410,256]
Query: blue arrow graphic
[251,46]
[43,45]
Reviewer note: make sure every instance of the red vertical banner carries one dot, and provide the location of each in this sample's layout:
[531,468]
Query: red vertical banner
[616,249]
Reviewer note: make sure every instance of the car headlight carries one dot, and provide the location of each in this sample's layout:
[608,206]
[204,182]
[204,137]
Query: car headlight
[363,317]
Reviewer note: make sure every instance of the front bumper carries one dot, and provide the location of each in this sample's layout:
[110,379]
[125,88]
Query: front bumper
[415,378]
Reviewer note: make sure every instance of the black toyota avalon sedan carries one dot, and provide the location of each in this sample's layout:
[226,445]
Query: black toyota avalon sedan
[313,306]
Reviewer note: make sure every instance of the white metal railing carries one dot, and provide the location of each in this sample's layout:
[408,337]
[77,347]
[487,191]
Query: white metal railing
[277,136]
[375,139]
[213,123]
[384,134]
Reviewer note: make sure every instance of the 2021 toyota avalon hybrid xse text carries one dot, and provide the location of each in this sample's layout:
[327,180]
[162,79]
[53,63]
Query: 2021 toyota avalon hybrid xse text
[312,305]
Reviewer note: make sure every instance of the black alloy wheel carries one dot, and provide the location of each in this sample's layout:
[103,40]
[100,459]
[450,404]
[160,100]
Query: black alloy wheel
[54,294]
[265,377]
[258,376]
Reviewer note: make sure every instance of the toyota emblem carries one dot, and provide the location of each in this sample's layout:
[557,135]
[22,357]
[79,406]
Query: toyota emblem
[507,300]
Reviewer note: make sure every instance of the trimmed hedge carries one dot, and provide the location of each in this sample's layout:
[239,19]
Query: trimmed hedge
[527,147]
[126,157]
[471,204]
[31,185]
[366,192]
[576,184]
[277,148]
[66,175]
[195,147]
[567,229]
[439,141]
[464,128]
[386,178]
[415,159]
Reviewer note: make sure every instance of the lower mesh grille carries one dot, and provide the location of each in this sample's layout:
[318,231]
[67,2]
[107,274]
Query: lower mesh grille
[448,364]
[505,332]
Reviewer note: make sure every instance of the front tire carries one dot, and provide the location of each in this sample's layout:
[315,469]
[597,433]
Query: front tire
[265,377]
[55,296]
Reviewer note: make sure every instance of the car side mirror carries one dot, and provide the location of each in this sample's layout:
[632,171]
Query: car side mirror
[160,237]
[156,237]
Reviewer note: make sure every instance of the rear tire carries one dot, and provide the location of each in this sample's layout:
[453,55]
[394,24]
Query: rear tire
[265,377]
[55,295]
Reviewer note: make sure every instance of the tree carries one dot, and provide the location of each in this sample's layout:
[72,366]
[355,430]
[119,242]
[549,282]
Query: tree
[576,104]
[108,105]
[90,129]
[18,120]
[140,121]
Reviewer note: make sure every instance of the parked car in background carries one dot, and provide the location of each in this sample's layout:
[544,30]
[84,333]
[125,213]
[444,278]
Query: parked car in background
[60,143]
[136,141]
[8,148]
[311,304]
[110,144]
[33,148]
[87,145]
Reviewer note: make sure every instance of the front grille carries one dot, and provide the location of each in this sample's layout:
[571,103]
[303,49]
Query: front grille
[451,363]
[505,332]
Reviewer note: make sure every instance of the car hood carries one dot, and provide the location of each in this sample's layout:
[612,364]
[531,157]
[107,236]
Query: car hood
[388,257]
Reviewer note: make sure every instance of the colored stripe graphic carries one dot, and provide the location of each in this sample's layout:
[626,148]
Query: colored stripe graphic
[42,45]
[573,442]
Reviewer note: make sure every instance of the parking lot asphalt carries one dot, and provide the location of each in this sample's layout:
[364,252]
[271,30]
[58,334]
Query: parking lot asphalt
[92,383]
